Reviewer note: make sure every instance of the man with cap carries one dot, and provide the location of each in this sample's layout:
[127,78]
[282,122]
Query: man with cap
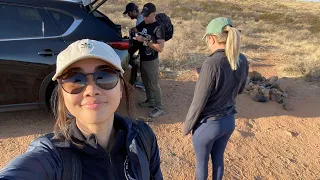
[151,37]
[133,12]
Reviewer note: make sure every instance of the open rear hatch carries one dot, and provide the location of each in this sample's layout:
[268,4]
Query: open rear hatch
[90,4]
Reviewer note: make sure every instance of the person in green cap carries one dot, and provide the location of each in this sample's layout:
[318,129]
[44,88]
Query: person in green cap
[211,114]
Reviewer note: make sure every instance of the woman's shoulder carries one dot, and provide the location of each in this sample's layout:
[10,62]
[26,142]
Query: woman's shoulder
[44,149]
[40,160]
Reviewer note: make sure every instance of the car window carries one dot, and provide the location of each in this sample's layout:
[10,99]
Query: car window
[19,22]
[61,20]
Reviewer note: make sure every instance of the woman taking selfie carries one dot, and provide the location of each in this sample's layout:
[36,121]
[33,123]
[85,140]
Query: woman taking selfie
[211,113]
[94,142]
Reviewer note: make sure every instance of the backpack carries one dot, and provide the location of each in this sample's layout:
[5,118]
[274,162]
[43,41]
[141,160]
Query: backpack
[165,22]
[72,167]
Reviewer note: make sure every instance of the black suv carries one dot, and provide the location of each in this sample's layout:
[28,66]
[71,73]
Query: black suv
[32,34]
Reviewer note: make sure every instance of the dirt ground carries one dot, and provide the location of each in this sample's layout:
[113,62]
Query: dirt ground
[268,143]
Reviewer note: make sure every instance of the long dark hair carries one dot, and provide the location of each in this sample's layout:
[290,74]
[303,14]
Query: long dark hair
[61,114]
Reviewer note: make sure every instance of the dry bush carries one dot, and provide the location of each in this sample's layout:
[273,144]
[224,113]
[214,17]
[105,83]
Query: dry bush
[288,28]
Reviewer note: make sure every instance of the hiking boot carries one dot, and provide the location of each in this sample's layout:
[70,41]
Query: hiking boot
[156,112]
[147,104]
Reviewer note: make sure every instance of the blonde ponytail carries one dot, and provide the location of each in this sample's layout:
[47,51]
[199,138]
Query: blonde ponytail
[233,47]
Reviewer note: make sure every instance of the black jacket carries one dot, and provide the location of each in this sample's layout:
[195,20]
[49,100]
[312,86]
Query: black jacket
[43,161]
[216,89]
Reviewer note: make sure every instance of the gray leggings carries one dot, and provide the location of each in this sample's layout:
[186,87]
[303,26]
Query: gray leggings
[211,137]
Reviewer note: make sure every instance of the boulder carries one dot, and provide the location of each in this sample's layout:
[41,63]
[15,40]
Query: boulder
[275,91]
[259,98]
[272,80]
[254,92]
[266,92]
[255,76]
[284,95]
[279,99]
[276,98]
[257,87]
[248,87]
[280,84]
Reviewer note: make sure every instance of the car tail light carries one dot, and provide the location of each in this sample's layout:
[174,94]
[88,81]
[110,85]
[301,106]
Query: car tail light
[122,45]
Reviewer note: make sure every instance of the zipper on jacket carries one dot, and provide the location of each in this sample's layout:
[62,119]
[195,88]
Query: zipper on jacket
[114,173]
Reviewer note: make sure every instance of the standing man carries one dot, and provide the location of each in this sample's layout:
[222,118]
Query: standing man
[151,35]
[133,12]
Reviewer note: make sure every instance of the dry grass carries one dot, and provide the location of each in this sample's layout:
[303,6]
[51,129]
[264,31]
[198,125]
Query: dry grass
[286,28]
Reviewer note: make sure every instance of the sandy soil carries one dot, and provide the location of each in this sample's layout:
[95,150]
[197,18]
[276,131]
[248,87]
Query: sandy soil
[268,143]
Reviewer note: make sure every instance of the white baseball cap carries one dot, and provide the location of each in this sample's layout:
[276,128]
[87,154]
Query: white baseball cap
[84,49]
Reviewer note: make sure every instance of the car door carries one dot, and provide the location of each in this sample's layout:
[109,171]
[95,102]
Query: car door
[29,44]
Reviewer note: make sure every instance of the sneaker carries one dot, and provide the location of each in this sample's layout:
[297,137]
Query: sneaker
[156,112]
[147,104]
[140,85]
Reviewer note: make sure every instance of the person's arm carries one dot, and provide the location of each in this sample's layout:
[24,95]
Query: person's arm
[160,36]
[157,46]
[246,75]
[39,162]
[159,33]
[201,94]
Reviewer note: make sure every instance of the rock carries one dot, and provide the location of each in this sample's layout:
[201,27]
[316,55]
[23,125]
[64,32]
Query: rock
[246,91]
[259,98]
[275,85]
[262,87]
[284,95]
[273,97]
[272,80]
[255,76]
[254,92]
[266,92]
[276,98]
[286,105]
[275,91]
[280,85]
[257,87]
[279,99]
[248,87]
[248,80]
[283,84]
[261,83]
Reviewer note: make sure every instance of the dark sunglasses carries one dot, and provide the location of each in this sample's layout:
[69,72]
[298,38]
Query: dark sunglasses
[74,82]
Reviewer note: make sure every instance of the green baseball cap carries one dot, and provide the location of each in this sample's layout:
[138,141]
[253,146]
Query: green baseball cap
[216,25]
